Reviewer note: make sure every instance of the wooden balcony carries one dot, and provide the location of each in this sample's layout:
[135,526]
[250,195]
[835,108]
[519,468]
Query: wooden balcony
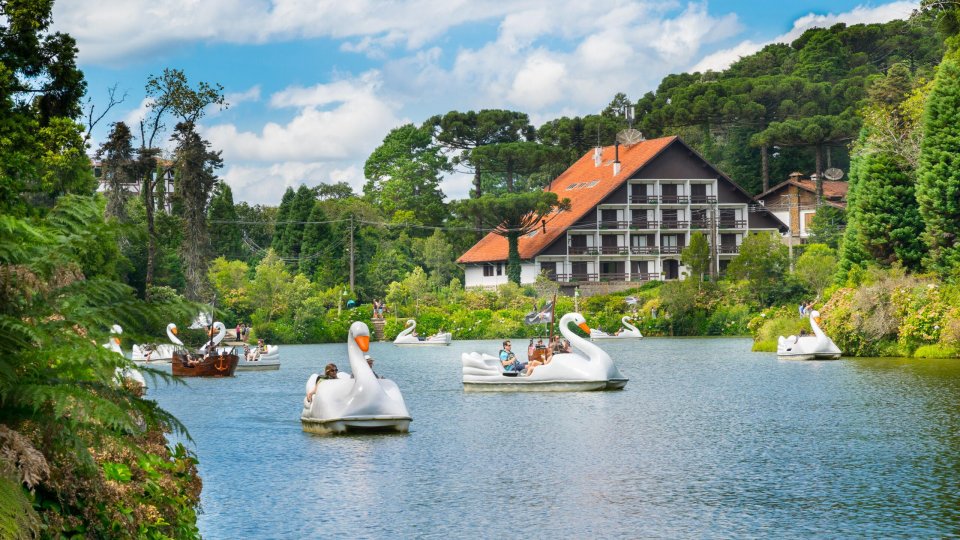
[700,224]
[674,199]
[644,225]
[672,224]
[614,225]
[583,250]
[703,199]
[644,250]
[728,250]
[643,199]
[671,250]
[732,224]
[613,250]
[647,276]
[569,278]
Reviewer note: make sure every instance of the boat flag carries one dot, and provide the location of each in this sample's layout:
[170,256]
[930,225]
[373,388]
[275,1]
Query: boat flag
[543,315]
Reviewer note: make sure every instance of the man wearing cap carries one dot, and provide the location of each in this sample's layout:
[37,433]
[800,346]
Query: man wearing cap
[370,363]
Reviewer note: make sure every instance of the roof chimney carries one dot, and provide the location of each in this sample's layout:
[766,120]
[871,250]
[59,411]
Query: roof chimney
[616,158]
[597,156]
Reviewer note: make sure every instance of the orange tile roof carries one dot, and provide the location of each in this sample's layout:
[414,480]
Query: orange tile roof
[582,199]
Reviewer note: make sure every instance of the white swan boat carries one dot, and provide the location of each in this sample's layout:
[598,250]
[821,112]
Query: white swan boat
[812,347]
[123,373]
[261,361]
[160,352]
[360,403]
[587,368]
[628,331]
[406,337]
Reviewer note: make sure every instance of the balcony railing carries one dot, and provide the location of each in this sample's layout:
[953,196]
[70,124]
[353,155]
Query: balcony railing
[723,250]
[644,250]
[644,276]
[643,199]
[673,224]
[582,250]
[700,224]
[643,224]
[567,278]
[671,250]
[674,199]
[733,224]
[703,199]
[608,224]
[613,250]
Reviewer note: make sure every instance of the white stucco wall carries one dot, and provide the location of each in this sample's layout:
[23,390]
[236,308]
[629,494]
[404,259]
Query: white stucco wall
[473,276]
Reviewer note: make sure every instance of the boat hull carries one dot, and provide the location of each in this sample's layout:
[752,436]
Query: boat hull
[260,365]
[221,365]
[356,424]
[424,344]
[809,356]
[517,384]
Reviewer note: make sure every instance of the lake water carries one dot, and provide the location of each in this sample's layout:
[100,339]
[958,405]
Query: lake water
[708,440]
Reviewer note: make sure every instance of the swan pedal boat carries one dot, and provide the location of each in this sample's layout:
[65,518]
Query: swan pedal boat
[815,347]
[628,331]
[587,368]
[405,337]
[356,404]
[127,373]
[267,361]
[161,352]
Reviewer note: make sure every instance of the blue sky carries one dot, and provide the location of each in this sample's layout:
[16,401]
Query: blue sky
[314,86]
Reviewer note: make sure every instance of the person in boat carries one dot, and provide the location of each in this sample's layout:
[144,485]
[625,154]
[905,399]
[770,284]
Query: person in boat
[509,360]
[370,363]
[566,346]
[261,346]
[329,372]
[530,349]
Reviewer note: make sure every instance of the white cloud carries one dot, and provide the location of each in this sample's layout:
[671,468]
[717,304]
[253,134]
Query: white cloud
[860,15]
[265,184]
[236,98]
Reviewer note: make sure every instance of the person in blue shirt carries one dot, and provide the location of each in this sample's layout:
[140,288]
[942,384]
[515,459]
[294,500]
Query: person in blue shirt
[509,360]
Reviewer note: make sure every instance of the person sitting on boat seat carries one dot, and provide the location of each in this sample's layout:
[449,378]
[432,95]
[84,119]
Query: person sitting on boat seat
[509,360]
[261,347]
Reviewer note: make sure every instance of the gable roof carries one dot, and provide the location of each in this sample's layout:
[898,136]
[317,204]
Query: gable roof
[834,191]
[585,185]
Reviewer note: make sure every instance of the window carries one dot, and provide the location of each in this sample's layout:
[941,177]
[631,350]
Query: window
[499,269]
[487,270]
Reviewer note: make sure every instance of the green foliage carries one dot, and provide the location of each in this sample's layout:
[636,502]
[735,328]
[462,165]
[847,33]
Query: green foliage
[816,267]
[938,173]
[772,323]
[227,237]
[696,256]
[762,262]
[403,175]
[57,384]
[829,223]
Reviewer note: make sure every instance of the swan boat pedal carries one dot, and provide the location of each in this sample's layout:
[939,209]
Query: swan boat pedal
[587,368]
[815,347]
[406,337]
[160,352]
[128,373]
[360,403]
[220,362]
[261,361]
[628,331]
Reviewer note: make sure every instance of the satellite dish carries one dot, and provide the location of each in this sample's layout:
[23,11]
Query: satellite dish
[629,137]
[833,173]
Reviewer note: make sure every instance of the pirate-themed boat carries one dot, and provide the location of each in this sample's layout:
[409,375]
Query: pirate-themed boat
[210,361]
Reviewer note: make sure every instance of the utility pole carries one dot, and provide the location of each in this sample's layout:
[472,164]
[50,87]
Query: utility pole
[351,254]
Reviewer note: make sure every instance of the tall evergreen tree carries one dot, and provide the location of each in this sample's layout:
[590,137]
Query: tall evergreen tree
[300,208]
[938,174]
[283,216]
[317,236]
[222,216]
[118,168]
[195,165]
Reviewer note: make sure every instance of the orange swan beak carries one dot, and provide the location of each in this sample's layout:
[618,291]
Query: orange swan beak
[583,326]
[363,342]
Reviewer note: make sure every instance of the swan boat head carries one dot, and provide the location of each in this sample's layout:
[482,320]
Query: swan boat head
[172,335]
[363,401]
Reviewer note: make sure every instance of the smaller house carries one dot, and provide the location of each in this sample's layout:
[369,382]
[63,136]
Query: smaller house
[166,185]
[794,202]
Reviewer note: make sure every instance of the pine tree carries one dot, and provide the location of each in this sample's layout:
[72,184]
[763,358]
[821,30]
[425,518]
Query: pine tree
[938,174]
[316,237]
[300,208]
[223,217]
[283,214]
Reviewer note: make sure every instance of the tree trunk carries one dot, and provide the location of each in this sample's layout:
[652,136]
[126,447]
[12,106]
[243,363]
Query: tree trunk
[151,235]
[765,167]
[819,182]
[513,259]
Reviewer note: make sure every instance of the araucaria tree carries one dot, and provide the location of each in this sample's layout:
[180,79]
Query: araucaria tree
[513,215]
[938,174]
[118,168]
[195,165]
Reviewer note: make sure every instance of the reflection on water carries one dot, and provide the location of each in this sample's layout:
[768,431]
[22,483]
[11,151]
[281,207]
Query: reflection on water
[707,440]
